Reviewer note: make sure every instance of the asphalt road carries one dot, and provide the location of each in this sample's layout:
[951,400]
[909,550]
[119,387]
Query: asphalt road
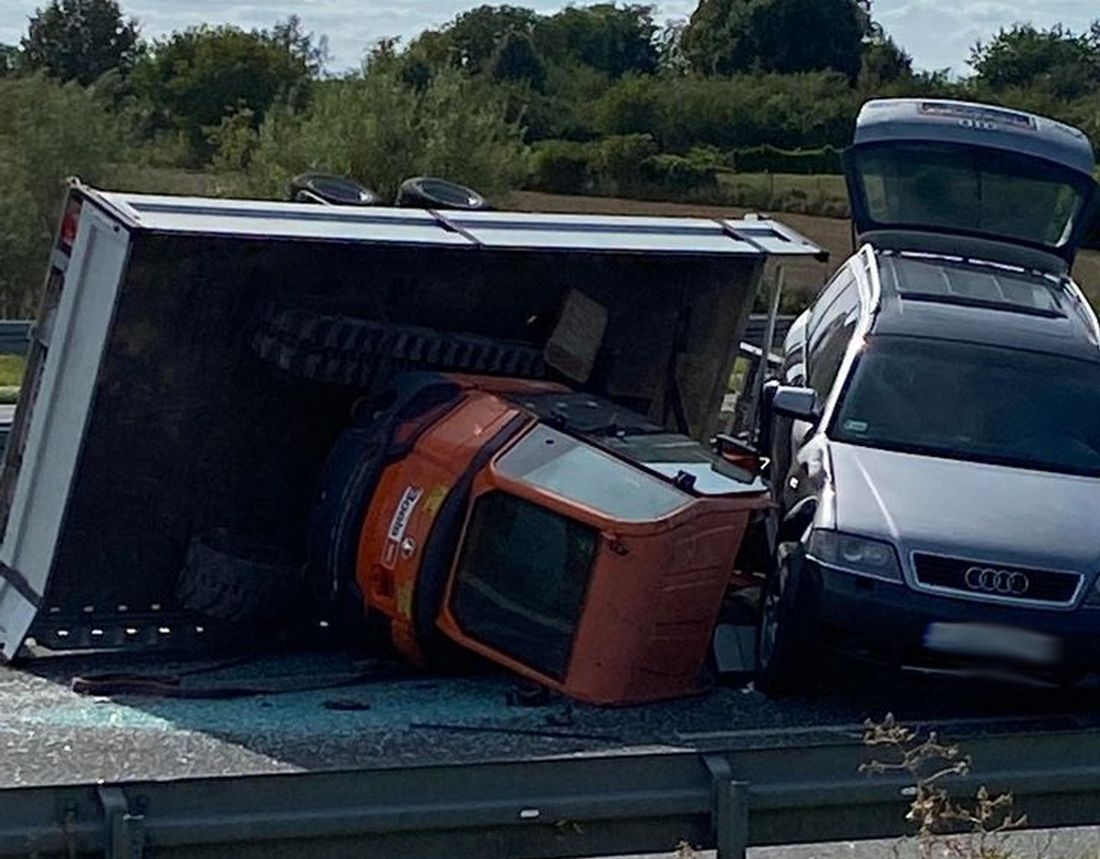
[50,734]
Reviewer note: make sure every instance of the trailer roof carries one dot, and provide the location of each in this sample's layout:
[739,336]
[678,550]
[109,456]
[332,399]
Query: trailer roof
[518,231]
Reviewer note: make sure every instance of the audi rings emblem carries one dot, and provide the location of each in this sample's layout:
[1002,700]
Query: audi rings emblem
[990,581]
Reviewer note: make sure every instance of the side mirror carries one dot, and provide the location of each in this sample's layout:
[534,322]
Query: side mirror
[798,403]
[739,452]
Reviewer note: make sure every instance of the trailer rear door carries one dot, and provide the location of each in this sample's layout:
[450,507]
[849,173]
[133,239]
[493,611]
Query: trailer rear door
[75,318]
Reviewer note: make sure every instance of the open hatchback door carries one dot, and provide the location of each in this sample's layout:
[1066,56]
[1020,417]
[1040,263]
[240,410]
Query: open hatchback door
[946,176]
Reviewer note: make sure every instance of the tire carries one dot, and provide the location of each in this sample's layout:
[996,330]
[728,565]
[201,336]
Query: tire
[347,350]
[230,578]
[331,190]
[428,192]
[786,646]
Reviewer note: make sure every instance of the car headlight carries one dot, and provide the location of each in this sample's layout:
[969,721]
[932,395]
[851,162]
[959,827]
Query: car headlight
[856,554]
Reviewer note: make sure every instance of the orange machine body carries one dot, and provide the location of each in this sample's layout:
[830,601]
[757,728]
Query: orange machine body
[547,553]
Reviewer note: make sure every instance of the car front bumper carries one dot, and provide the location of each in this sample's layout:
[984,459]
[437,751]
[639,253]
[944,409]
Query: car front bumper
[891,622]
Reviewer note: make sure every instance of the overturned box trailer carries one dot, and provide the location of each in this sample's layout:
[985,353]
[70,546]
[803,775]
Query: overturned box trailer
[168,393]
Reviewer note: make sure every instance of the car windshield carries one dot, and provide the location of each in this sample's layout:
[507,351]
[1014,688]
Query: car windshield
[522,578]
[969,189]
[971,402]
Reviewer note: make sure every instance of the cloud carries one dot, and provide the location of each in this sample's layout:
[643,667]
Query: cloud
[352,27]
[938,33]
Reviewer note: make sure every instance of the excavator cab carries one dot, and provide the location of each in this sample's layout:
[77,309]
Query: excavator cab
[550,531]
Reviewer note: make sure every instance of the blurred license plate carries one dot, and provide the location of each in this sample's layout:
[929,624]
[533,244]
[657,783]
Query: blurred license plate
[975,639]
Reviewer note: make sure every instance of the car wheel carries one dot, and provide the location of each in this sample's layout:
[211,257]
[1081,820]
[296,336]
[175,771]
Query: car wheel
[331,190]
[785,652]
[428,192]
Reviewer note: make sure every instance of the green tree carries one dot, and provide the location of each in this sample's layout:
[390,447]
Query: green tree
[9,60]
[884,63]
[80,40]
[1056,60]
[311,49]
[195,78]
[612,39]
[516,59]
[783,36]
[48,131]
[568,105]
[470,40]
[670,47]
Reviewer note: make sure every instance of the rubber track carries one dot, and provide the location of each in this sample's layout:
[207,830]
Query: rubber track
[352,351]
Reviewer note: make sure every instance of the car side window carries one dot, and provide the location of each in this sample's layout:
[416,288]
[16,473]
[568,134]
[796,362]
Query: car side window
[825,362]
[831,331]
[793,371]
[833,300]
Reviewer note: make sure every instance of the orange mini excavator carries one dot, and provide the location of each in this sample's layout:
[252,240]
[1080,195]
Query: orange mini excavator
[550,531]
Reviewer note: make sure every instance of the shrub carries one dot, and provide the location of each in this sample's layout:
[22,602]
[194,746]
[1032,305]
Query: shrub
[562,167]
[47,133]
[710,157]
[635,105]
[787,111]
[619,160]
[676,175]
[234,141]
[381,130]
[769,159]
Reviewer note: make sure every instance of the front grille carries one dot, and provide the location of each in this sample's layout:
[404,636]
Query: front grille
[982,579]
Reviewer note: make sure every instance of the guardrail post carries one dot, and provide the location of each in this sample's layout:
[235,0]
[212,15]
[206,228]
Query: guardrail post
[730,813]
[125,830]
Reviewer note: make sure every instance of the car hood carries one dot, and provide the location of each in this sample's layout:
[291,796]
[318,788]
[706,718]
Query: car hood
[966,509]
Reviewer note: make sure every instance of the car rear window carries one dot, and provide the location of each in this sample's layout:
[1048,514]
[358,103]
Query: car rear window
[971,189]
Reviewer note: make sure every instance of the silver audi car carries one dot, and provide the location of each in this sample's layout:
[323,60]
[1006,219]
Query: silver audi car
[935,435]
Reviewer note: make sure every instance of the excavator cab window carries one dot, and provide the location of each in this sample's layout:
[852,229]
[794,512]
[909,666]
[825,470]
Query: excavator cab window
[522,578]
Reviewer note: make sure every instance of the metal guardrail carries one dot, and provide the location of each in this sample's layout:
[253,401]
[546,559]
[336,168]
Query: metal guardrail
[719,798]
[14,336]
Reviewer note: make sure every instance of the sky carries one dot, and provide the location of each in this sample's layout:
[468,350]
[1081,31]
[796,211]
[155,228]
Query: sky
[937,33]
